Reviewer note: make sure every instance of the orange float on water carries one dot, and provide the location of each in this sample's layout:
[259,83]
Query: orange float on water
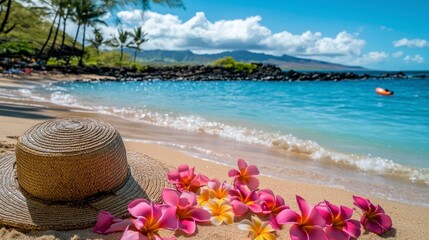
[384,92]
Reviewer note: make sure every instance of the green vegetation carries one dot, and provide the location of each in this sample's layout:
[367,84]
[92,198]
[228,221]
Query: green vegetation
[29,33]
[26,32]
[229,62]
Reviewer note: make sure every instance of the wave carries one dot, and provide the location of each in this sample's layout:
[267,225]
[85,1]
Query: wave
[284,143]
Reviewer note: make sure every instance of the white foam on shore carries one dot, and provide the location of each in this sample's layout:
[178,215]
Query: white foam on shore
[284,143]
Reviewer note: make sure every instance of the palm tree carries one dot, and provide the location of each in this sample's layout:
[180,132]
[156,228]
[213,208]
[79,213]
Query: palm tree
[89,15]
[145,4]
[121,41]
[98,39]
[67,12]
[51,9]
[138,38]
[3,28]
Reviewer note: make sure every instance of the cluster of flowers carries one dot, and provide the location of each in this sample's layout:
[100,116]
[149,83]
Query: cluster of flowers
[197,198]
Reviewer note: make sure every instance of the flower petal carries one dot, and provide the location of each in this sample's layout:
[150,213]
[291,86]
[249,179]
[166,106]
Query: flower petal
[104,222]
[266,195]
[255,207]
[190,196]
[252,170]
[139,207]
[200,180]
[170,196]
[241,164]
[169,219]
[315,219]
[296,233]
[352,228]
[245,225]
[187,225]
[213,183]
[374,227]
[362,203]
[252,183]
[379,223]
[267,236]
[233,173]
[133,235]
[200,215]
[273,222]
[345,212]
[229,217]
[239,208]
[216,220]
[315,233]
[335,234]
[304,206]
[325,212]
[287,216]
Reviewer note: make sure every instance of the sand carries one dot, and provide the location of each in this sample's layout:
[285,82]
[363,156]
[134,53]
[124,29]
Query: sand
[409,222]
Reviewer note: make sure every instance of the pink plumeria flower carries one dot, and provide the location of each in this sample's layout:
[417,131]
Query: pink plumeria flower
[245,175]
[107,223]
[307,226]
[221,212]
[373,219]
[150,217]
[184,178]
[272,205]
[339,225]
[187,212]
[217,189]
[242,201]
[258,230]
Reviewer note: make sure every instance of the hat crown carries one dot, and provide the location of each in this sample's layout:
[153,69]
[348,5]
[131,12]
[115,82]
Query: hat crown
[70,159]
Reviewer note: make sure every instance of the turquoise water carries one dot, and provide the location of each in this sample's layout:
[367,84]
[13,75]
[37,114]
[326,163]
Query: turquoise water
[338,133]
[346,117]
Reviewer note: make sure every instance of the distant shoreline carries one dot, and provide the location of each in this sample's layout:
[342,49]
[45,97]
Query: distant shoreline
[261,72]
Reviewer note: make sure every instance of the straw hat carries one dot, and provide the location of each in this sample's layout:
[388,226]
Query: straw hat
[66,170]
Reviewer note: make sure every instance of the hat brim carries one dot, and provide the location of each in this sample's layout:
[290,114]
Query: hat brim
[147,178]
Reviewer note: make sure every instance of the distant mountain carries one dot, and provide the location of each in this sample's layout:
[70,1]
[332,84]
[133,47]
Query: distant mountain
[285,62]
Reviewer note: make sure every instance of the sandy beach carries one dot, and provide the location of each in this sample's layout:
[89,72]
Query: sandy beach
[16,116]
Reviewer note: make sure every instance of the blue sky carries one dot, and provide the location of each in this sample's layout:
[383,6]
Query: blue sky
[377,34]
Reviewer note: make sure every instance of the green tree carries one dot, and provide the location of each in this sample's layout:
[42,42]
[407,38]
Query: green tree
[89,15]
[119,41]
[138,38]
[98,39]
[229,63]
[3,28]
[51,9]
[67,12]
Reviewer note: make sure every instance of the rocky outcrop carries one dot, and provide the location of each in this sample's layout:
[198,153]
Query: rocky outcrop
[262,72]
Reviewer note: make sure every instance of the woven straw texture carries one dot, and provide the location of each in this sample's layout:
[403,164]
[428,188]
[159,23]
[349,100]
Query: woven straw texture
[66,159]
[144,178]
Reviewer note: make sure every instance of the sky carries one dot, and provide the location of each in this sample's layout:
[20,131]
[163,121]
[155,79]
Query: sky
[376,34]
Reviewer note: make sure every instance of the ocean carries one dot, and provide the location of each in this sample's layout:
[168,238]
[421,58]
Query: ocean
[340,134]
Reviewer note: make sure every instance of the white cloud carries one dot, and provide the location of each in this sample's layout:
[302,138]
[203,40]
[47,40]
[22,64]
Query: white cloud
[416,58]
[200,35]
[405,42]
[397,54]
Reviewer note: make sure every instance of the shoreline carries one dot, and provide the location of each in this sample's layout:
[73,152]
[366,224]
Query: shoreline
[290,158]
[409,220]
[260,72]
[296,165]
